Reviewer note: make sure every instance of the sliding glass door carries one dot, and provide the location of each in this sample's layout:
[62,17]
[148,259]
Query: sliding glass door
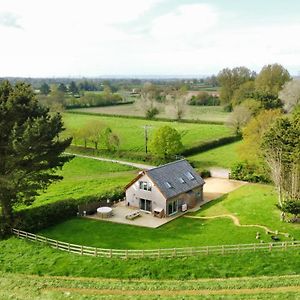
[145,205]
[172,207]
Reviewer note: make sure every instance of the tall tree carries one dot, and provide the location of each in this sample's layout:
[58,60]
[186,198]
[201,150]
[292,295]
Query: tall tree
[230,80]
[30,148]
[271,79]
[281,146]
[290,95]
[62,88]
[166,143]
[45,89]
[73,89]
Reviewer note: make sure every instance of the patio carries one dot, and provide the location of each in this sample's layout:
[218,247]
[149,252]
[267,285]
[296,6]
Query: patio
[213,189]
[120,211]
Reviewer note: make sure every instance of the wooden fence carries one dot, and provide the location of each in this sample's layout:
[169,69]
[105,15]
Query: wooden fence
[156,253]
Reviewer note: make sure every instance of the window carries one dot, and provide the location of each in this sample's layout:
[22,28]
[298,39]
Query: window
[146,186]
[168,185]
[181,180]
[189,175]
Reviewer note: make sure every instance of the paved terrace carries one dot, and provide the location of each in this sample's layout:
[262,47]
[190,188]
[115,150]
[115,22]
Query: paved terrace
[213,189]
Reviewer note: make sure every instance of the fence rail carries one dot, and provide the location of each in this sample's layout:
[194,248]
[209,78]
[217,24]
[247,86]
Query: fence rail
[155,253]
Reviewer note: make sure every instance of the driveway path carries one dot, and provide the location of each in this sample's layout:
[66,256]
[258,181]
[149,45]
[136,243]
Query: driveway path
[127,163]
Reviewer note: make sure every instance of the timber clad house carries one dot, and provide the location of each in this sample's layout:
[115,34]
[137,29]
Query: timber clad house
[166,190]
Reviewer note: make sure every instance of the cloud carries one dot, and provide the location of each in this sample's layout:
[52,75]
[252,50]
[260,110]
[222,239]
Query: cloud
[8,19]
[186,20]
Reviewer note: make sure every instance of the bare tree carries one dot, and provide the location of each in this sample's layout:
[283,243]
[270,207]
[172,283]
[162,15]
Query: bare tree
[290,95]
[240,116]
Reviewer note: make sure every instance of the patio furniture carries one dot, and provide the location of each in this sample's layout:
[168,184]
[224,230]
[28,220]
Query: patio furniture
[104,212]
[133,215]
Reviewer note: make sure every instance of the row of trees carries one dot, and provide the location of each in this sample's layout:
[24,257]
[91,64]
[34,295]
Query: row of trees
[96,133]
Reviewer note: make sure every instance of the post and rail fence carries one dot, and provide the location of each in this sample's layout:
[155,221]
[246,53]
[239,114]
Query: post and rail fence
[156,253]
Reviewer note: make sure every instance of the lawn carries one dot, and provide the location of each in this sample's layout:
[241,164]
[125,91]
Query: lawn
[131,131]
[85,177]
[224,156]
[202,113]
[19,256]
[40,287]
[252,204]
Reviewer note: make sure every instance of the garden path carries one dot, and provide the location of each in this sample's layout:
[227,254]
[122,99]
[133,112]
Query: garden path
[236,222]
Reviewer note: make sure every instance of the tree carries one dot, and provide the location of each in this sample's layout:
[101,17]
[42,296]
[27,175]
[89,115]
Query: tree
[30,148]
[93,131]
[45,89]
[271,79]
[178,100]
[111,140]
[231,80]
[290,95]
[239,118]
[166,143]
[253,134]
[244,92]
[281,146]
[148,99]
[73,89]
[62,88]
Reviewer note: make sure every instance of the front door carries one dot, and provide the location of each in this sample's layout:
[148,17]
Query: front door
[145,205]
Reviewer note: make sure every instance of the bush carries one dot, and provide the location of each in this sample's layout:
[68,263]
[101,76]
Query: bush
[204,99]
[33,219]
[205,173]
[152,112]
[247,172]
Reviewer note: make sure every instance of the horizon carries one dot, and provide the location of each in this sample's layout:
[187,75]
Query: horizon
[146,38]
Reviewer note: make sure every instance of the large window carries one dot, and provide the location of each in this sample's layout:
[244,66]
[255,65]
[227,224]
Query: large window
[172,207]
[144,185]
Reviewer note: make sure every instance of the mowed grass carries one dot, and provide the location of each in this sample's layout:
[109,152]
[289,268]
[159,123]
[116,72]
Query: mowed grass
[202,113]
[40,287]
[252,204]
[85,177]
[225,156]
[20,256]
[132,135]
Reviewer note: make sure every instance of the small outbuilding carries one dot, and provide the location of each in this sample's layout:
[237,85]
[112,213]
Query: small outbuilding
[166,190]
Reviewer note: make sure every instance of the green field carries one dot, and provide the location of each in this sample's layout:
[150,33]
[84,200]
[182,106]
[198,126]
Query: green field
[34,287]
[85,177]
[252,204]
[203,113]
[225,156]
[131,131]
[19,256]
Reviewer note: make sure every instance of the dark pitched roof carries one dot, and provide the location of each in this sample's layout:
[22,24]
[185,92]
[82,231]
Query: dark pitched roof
[175,178]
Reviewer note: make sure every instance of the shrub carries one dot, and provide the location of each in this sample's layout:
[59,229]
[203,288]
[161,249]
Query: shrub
[152,112]
[204,99]
[36,218]
[205,173]
[248,172]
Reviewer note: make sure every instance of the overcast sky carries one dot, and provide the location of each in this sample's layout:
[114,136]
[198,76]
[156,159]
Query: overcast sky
[42,38]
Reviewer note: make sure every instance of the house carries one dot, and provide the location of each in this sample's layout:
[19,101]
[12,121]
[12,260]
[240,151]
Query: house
[166,190]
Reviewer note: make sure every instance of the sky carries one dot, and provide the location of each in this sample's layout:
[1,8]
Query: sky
[91,38]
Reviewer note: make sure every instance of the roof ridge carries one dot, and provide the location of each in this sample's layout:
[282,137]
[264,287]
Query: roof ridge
[167,164]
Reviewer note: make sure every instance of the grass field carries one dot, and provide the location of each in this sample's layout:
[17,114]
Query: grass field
[203,113]
[131,131]
[84,177]
[252,204]
[34,287]
[19,256]
[225,156]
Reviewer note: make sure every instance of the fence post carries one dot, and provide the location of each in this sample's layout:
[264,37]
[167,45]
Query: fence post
[56,244]
[254,247]
[96,252]
[143,253]
[110,253]
[81,250]
[223,250]
[69,247]
[207,250]
[286,245]
[158,253]
[18,233]
[174,252]
[270,247]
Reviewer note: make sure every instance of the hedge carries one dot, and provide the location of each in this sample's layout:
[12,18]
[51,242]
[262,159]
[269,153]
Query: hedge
[210,145]
[144,118]
[33,219]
